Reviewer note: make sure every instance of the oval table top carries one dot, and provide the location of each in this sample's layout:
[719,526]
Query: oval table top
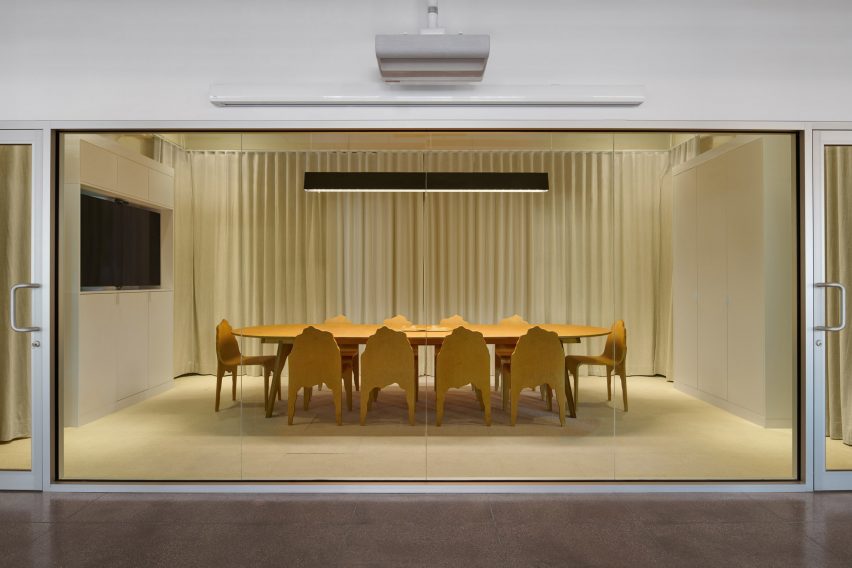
[426,334]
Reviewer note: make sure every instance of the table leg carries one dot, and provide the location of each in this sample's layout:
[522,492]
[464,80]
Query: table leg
[281,357]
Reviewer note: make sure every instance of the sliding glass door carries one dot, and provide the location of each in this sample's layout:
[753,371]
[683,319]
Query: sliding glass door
[22,333]
[832,159]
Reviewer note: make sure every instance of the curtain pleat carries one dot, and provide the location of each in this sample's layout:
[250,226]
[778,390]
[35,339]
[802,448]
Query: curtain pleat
[15,215]
[592,249]
[838,264]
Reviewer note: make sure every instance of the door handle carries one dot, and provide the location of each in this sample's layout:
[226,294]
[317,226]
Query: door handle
[13,294]
[842,289]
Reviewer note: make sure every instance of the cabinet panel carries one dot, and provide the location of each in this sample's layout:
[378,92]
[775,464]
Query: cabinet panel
[685,280]
[161,188]
[160,338]
[132,179]
[746,306]
[97,167]
[132,349]
[711,250]
[98,354]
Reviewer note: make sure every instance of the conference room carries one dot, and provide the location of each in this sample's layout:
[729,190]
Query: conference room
[428,305]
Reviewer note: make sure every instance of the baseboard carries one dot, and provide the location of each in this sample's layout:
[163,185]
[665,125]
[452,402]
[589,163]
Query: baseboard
[93,415]
[734,409]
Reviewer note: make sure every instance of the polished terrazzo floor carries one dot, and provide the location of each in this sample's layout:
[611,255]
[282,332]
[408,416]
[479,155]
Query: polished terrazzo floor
[631,530]
[665,435]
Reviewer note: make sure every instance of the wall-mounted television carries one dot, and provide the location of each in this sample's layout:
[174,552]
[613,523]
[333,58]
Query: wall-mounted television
[119,244]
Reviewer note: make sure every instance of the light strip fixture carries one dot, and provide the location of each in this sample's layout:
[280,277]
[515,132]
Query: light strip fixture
[446,182]
[229,95]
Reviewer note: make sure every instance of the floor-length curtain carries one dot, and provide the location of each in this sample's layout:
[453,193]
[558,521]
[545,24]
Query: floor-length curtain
[15,188]
[838,227]
[589,251]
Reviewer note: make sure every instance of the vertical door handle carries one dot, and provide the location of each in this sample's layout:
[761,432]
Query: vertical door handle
[842,324]
[13,294]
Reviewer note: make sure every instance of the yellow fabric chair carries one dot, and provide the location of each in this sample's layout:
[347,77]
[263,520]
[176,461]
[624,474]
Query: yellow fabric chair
[614,358]
[463,360]
[315,360]
[229,359]
[388,359]
[538,359]
[398,323]
[349,352]
[453,321]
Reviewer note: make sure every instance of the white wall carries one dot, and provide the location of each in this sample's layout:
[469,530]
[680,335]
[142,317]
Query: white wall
[719,60]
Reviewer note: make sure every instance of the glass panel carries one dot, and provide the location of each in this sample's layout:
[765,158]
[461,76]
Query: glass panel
[344,263]
[138,311]
[705,268]
[507,262]
[15,236]
[838,264]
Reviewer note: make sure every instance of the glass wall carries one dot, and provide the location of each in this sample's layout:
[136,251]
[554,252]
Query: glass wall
[631,319]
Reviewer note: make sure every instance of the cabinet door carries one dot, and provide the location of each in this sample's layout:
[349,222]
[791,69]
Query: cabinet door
[97,167]
[711,250]
[96,388]
[160,338]
[132,179]
[161,188]
[685,280]
[746,298]
[132,343]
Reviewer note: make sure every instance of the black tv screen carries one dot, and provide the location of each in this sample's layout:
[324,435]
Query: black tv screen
[119,244]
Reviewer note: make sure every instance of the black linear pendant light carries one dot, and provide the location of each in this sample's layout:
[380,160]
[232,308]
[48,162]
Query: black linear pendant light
[451,182]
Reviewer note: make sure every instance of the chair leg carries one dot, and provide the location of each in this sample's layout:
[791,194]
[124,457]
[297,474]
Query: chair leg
[411,399]
[292,390]
[266,375]
[234,384]
[356,373]
[560,401]
[338,405]
[306,398]
[220,374]
[439,406]
[609,383]
[479,397]
[622,372]
[485,395]
[548,392]
[496,370]
[514,410]
[347,383]
[365,404]
[505,383]
[571,397]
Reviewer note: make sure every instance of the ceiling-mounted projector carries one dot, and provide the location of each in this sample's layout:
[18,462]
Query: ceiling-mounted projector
[432,56]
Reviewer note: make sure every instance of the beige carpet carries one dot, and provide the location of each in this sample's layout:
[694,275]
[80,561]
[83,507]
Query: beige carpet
[666,435]
[15,455]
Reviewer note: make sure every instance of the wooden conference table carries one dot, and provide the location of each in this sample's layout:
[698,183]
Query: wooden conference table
[357,334]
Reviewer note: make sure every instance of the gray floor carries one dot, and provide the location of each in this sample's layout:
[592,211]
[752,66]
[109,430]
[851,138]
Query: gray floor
[448,530]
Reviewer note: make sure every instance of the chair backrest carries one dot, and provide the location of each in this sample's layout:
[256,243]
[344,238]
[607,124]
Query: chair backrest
[338,319]
[463,359]
[538,358]
[616,342]
[514,320]
[453,321]
[387,359]
[315,355]
[398,321]
[227,347]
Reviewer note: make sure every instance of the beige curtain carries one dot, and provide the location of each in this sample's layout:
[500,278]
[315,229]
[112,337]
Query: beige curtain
[15,225]
[589,250]
[838,227]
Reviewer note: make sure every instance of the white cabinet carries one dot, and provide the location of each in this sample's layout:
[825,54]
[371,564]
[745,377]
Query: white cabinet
[125,347]
[98,348]
[132,179]
[98,167]
[733,282]
[160,338]
[132,331]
